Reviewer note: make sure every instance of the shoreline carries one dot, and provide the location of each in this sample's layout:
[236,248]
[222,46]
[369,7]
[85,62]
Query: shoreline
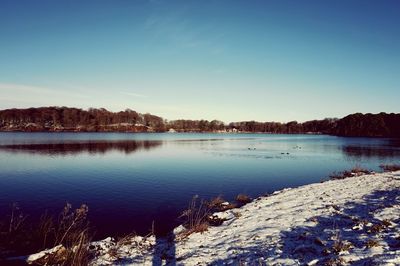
[199,132]
[348,221]
[172,133]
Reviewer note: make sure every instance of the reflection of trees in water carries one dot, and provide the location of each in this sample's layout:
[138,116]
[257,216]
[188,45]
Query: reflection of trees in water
[380,152]
[92,147]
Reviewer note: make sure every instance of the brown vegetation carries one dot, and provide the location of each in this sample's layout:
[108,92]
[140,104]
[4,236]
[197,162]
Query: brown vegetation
[379,227]
[71,232]
[196,216]
[340,246]
[125,240]
[243,199]
[390,167]
[355,171]
[371,243]
[69,235]
[216,203]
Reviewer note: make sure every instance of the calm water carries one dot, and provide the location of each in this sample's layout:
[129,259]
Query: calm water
[130,180]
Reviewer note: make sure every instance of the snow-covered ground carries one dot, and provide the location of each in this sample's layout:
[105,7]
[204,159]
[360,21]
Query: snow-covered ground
[351,221]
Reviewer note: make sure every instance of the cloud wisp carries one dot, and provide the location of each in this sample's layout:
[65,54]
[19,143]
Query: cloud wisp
[136,95]
[22,91]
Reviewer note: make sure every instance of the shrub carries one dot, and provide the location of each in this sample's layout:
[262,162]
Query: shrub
[358,170]
[196,216]
[355,171]
[216,203]
[371,243]
[228,206]
[340,246]
[243,199]
[71,232]
[69,236]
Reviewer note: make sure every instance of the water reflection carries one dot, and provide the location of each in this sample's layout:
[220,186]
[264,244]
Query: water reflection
[92,147]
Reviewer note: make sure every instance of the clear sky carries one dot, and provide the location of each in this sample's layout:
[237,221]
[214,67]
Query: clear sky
[228,60]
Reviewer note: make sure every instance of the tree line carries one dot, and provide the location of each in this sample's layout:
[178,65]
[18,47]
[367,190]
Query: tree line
[74,119]
[102,120]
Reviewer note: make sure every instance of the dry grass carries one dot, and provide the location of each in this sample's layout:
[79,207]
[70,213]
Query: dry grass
[243,199]
[46,228]
[122,241]
[340,175]
[228,206]
[196,216]
[371,243]
[340,246]
[359,170]
[355,171]
[386,223]
[379,227]
[71,225]
[200,228]
[14,233]
[216,202]
[70,233]
[333,262]
[17,219]
[237,214]
[125,240]
[390,167]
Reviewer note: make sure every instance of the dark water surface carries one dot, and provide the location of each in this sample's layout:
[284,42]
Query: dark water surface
[130,180]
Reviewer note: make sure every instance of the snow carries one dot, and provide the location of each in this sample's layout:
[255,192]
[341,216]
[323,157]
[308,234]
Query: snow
[351,221]
[226,215]
[132,251]
[39,255]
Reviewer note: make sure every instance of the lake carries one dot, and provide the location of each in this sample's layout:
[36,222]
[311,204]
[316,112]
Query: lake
[129,180]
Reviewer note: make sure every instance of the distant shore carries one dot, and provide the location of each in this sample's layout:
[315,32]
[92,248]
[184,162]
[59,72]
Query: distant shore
[67,119]
[165,132]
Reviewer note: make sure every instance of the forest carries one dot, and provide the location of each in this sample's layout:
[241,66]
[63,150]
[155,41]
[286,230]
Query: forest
[54,119]
[74,119]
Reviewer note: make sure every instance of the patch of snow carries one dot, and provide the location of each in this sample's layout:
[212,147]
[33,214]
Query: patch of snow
[226,215]
[136,250]
[178,230]
[39,255]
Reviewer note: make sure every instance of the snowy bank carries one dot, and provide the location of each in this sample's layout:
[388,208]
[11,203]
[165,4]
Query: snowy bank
[351,221]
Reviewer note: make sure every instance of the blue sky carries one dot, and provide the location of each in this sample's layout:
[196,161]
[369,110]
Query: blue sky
[228,60]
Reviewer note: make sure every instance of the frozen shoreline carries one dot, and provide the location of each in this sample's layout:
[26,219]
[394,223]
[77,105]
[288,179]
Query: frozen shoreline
[354,220]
